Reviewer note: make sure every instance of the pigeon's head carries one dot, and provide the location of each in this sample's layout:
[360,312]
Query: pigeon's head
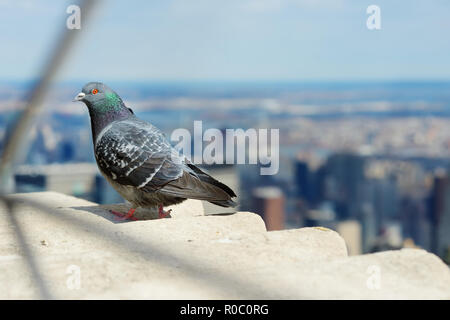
[98,97]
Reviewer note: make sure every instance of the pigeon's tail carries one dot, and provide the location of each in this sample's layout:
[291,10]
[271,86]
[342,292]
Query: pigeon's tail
[225,203]
[204,177]
[196,184]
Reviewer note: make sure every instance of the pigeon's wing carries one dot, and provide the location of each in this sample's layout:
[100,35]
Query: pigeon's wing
[137,154]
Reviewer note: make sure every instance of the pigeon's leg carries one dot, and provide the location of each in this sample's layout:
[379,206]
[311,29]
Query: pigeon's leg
[122,216]
[162,213]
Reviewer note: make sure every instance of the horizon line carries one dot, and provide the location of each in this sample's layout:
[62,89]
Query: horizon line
[237,81]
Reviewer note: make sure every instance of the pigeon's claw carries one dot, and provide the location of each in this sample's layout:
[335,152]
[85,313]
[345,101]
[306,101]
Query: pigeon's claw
[162,213]
[121,216]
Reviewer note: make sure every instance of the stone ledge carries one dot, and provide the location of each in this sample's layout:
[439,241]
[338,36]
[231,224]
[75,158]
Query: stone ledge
[192,256]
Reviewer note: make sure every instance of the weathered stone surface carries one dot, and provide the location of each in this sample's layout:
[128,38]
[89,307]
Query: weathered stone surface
[194,256]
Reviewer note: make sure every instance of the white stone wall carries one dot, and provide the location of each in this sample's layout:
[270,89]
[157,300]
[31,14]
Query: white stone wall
[80,252]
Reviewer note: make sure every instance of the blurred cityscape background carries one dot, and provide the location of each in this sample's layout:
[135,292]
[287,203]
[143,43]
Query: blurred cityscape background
[364,116]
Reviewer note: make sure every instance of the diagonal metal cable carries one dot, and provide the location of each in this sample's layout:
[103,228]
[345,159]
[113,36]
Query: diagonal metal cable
[17,138]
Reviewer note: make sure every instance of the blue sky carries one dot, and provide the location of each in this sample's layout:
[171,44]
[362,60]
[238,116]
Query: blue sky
[232,40]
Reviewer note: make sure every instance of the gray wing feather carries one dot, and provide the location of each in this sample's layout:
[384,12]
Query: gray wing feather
[137,154]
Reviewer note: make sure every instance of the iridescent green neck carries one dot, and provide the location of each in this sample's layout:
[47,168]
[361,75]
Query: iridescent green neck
[105,111]
[112,102]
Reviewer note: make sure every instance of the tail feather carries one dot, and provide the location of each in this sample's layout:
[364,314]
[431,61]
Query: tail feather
[208,179]
[196,184]
[225,203]
[204,177]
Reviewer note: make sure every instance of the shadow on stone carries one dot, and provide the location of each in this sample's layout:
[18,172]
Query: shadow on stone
[141,214]
[221,214]
[104,211]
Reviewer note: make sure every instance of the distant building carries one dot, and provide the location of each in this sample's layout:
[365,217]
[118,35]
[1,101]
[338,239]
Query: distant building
[351,231]
[440,214]
[303,179]
[269,202]
[307,182]
[323,216]
[416,222]
[368,226]
[344,177]
[78,179]
[390,238]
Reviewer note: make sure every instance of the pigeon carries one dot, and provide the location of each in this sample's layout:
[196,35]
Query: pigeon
[138,161]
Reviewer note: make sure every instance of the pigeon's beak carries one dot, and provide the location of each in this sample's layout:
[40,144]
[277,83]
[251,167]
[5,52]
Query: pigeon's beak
[79,96]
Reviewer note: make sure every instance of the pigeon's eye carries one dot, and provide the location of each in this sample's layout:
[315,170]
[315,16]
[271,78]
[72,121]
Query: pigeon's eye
[95,91]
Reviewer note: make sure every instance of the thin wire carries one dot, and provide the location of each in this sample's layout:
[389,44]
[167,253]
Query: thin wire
[18,136]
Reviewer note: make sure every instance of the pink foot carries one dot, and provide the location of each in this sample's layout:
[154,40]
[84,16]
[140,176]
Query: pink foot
[162,213]
[121,216]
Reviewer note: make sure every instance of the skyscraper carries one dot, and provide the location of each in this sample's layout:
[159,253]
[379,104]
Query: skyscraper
[440,214]
[269,203]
